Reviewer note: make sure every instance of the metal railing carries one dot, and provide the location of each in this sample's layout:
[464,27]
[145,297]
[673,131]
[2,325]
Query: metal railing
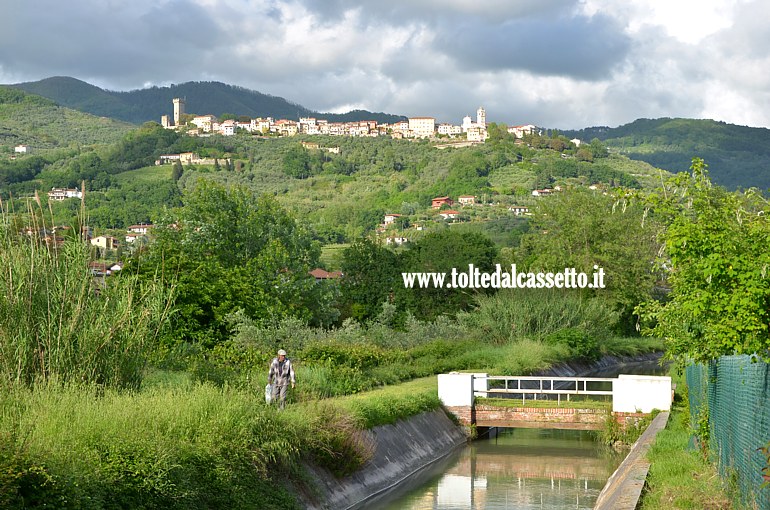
[547,387]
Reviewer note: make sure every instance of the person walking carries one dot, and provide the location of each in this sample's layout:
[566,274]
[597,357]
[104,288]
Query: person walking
[280,374]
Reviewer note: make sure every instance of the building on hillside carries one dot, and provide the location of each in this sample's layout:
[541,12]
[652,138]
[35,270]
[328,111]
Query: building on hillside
[204,122]
[541,192]
[321,274]
[57,194]
[520,131]
[391,218]
[21,149]
[449,214]
[106,242]
[142,228]
[467,199]
[422,127]
[437,202]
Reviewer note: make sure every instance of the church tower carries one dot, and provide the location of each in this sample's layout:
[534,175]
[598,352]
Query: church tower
[481,117]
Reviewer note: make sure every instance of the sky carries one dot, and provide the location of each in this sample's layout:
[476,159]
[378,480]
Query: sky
[564,64]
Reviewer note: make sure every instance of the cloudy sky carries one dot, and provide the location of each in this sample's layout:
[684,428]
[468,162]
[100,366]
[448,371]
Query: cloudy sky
[553,63]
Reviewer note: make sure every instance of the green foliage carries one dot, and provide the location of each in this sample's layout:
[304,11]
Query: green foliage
[57,323]
[737,155]
[720,291]
[443,251]
[43,125]
[537,313]
[585,230]
[227,249]
[370,276]
[580,344]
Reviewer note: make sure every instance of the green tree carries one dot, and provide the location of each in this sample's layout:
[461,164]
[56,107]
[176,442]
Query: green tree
[370,277]
[227,249]
[716,244]
[581,229]
[177,171]
[441,252]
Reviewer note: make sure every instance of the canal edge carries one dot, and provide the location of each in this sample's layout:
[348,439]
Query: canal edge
[624,488]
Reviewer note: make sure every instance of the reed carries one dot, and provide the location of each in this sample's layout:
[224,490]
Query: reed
[58,322]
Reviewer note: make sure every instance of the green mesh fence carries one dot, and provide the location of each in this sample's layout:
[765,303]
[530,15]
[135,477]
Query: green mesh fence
[736,394]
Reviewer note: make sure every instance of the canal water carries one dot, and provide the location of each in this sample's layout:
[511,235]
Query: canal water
[516,469]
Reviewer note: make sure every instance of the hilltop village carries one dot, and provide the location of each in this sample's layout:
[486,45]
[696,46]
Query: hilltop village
[413,127]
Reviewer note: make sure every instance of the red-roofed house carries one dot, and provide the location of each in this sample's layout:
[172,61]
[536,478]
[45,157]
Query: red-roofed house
[437,202]
[322,274]
[449,214]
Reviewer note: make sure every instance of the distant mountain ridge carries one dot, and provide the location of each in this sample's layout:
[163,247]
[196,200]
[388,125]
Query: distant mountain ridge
[737,156]
[216,98]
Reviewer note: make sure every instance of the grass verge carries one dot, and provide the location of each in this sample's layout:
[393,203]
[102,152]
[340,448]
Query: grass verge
[680,476]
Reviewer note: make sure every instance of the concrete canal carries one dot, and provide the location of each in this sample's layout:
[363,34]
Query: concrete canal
[517,468]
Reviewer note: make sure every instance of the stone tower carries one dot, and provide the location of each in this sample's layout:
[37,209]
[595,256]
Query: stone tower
[178,110]
[481,117]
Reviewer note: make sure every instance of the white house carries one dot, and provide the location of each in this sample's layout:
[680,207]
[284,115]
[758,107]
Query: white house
[518,210]
[449,214]
[142,228]
[204,122]
[64,193]
[520,131]
[466,199]
[391,218]
[21,149]
[422,127]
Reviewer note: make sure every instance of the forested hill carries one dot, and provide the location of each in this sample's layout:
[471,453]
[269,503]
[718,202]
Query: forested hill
[139,106]
[27,119]
[737,156]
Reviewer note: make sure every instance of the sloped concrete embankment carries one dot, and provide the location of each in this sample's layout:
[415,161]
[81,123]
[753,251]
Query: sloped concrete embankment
[400,450]
[582,368]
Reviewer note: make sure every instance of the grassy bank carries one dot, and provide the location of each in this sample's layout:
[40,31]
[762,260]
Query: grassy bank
[182,443]
[681,476]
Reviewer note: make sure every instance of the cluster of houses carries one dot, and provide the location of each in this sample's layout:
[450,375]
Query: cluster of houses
[413,127]
[439,204]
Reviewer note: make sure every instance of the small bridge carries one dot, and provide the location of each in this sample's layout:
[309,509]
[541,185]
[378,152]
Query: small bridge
[582,403]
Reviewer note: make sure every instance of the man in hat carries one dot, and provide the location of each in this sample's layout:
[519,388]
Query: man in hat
[280,374]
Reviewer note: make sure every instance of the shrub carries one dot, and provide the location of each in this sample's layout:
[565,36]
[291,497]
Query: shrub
[580,343]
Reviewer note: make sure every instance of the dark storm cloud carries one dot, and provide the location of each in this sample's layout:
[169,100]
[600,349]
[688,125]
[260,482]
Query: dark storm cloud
[579,47]
[121,43]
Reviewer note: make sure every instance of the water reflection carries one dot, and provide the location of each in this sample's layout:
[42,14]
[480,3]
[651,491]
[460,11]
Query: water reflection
[518,469]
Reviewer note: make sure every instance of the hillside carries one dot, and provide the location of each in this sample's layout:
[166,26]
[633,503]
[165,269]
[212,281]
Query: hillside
[40,123]
[737,156]
[139,106]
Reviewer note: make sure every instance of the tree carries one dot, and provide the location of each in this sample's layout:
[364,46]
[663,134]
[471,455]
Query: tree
[226,250]
[370,277]
[716,243]
[177,171]
[581,229]
[443,252]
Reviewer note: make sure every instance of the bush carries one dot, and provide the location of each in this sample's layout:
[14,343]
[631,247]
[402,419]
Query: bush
[580,344]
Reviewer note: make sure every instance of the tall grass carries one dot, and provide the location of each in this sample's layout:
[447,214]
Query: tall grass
[57,322]
[536,313]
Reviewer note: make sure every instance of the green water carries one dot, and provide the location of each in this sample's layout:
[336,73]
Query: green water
[518,469]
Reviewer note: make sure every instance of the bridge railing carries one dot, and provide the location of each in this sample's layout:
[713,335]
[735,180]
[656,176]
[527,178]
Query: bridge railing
[543,387]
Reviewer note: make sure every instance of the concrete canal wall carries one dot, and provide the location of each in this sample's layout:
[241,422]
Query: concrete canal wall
[412,444]
[400,450]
